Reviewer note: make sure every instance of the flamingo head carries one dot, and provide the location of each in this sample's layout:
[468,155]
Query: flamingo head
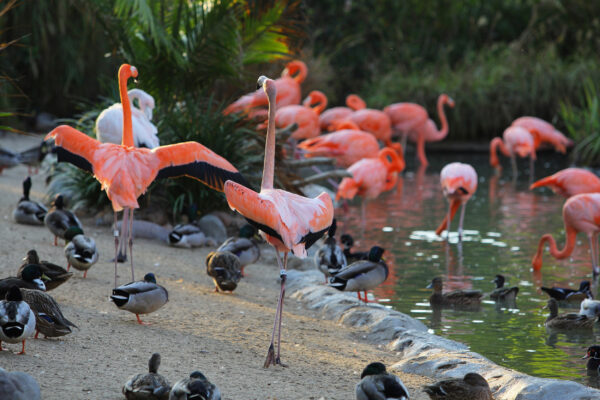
[316,100]
[128,71]
[268,86]
[536,263]
[391,159]
[447,100]
[354,102]
[523,149]
[296,70]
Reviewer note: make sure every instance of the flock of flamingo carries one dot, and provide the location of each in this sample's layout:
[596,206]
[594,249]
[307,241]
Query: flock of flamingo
[127,158]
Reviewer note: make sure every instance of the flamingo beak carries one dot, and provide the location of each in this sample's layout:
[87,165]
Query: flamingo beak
[450,101]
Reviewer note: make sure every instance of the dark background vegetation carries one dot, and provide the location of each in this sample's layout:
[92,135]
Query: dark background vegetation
[499,59]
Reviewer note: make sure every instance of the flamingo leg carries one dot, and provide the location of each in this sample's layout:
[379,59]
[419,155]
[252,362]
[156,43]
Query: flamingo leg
[277,323]
[421,150]
[460,222]
[403,140]
[513,163]
[131,240]
[449,220]
[531,169]
[595,251]
[116,234]
[593,239]
[122,257]
[283,279]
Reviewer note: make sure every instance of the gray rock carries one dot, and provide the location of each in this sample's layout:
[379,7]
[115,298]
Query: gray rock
[213,227]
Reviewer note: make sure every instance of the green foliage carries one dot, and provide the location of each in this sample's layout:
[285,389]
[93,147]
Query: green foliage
[583,124]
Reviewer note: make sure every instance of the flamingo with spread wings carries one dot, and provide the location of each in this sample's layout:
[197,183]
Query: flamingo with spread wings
[125,171]
[287,221]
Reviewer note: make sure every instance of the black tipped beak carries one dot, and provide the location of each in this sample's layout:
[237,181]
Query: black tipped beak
[463,190]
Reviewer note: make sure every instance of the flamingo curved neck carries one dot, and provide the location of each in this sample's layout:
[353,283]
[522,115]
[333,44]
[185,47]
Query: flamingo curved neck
[567,249]
[441,134]
[127,139]
[497,143]
[269,163]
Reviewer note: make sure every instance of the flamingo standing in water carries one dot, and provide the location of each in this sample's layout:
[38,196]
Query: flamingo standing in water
[515,141]
[412,121]
[288,91]
[125,171]
[372,176]
[347,146]
[570,181]
[287,221]
[581,213]
[544,132]
[459,182]
[353,103]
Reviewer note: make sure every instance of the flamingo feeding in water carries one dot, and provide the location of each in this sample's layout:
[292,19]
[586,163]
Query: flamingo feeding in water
[288,90]
[109,124]
[544,132]
[353,103]
[347,146]
[515,141]
[125,171]
[581,213]
[372,176]
[287,221]
[570,181]
[459,182]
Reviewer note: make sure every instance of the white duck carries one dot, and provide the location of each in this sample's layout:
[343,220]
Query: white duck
[109,124]
[17,321]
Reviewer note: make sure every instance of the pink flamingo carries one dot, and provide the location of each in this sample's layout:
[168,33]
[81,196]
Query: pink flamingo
[413,122]
[570,181]
[581,213]
[306,116]
[125,171]
[353,103]
[288,90]
[372,176]
[459,182]
[544,132]
[287,221]
[517,141]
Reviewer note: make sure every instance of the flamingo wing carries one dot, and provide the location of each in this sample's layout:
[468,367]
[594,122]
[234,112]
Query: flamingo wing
[196,161]
[73,146]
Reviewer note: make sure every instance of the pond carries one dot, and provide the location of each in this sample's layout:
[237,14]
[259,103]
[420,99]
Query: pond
[504,221]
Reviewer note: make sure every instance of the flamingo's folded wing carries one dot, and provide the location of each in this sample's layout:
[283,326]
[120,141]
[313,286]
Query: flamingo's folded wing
[73,146]
[196,161]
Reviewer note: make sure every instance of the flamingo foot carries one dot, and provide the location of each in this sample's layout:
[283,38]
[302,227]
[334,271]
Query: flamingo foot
[140,321]
[270,357]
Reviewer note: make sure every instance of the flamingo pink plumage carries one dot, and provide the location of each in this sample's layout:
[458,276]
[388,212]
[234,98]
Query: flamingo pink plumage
[353,103]
[459,182]
[581,213]
[125,171]
[544,132]
[287,221]
[288,90]
[515,141]
[570,181]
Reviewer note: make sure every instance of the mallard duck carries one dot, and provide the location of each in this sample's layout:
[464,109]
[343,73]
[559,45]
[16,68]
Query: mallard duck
[17,321]
[150,386]
[567,321]
[189,235]
[58,220]
[49,319]
[140,297]
[377,384]
[22,386]
[501,293]
[34,156]
[591,308]
[56,274]
[31,278]
[225,270]
[472,387]
[567,294]
[362,275]
[8,159]
[348,242]
[80,250]
[29,212]
[330,258]
[244,246]
[456,298]
[197,386]
[593,364]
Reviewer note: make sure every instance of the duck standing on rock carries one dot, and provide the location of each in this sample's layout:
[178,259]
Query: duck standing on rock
[225,270]
[244,246]
[150,386]
[49,319]
[502,293]
[17,321]
[567,321]
[55,274]
[456,298]
[330,258]
[197,386]
[58,219]
[140,297]
[31,278]
[29,212]
[377,384]
[472,387]
[362,275]
[80,250]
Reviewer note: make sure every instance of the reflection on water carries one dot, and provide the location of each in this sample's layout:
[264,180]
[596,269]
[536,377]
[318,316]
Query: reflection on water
[503,223]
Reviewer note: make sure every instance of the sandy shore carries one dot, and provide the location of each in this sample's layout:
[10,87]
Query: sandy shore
[223,335]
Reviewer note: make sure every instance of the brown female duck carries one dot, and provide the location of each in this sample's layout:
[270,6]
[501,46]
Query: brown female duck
[472,387]
[456,298]
[567,321]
